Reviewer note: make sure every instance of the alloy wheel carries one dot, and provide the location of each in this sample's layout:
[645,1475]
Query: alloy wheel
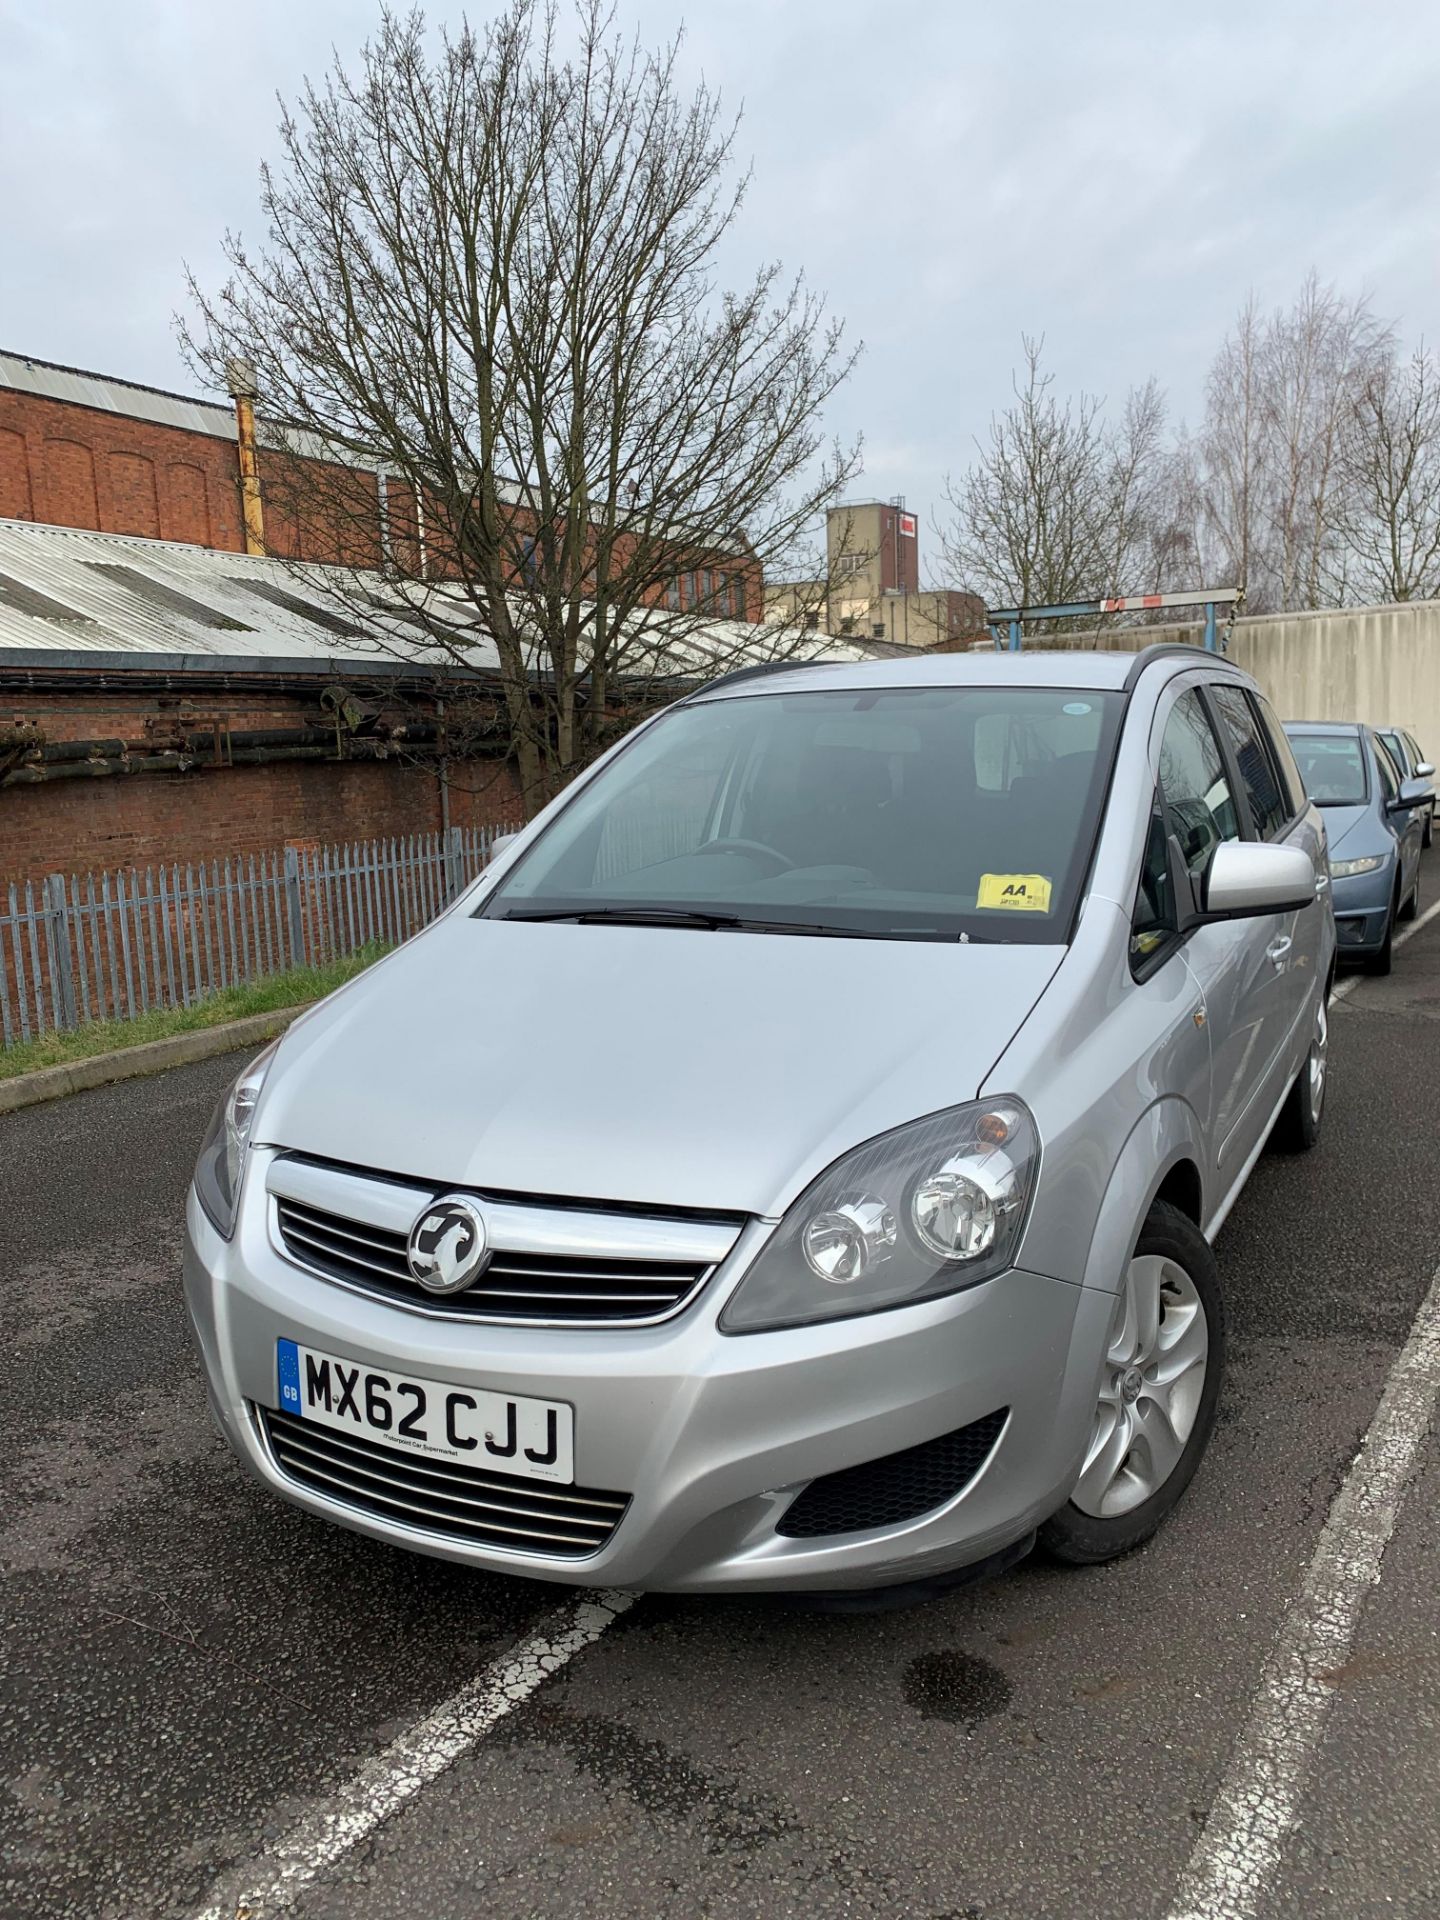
[1316,1061]
[1151,1390]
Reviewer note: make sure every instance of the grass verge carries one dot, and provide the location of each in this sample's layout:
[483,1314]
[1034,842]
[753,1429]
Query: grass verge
[278,990]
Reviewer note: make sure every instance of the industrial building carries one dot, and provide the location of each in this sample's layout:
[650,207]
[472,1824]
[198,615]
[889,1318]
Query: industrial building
[178,681]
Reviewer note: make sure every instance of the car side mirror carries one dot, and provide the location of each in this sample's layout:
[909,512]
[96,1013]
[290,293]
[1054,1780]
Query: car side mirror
[1413,793]
[499,844]
[1247,878]
[1425,770]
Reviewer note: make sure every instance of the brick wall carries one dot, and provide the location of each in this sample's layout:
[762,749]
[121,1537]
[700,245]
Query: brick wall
[76,826]
[134,819]
[72,466]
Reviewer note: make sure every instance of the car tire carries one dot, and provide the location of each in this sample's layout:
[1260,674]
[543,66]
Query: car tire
[1109,1511]
[1297,1126]
[1383,962]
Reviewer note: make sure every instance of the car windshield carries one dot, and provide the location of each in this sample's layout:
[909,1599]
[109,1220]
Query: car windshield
[1333,766]
[940,813]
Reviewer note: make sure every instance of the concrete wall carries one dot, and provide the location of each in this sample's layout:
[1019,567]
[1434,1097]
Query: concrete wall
[1379,664]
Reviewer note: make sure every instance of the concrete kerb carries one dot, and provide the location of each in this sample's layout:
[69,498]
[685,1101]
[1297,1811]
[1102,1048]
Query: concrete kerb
[130,1063]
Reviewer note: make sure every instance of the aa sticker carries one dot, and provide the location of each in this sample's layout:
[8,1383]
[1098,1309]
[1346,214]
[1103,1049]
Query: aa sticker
[1026,892]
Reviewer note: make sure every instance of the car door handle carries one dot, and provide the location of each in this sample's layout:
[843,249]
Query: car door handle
[1276,951]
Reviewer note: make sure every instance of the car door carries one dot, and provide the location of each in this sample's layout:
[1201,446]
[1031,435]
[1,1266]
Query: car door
[1295,942]
[1227,958]
[1408,827]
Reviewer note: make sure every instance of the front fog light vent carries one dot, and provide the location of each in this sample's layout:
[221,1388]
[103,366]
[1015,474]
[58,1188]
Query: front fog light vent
[896,1488]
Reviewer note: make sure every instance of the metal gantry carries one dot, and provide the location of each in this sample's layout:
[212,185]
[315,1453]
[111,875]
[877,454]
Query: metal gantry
[1007,624]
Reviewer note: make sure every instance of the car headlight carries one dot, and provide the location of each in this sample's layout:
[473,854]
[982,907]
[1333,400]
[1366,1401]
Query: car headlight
[1342,869]
[221,1164]
[925,1210]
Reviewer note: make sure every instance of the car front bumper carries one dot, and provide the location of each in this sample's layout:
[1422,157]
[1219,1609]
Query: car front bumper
[711,1436]
[1362,909]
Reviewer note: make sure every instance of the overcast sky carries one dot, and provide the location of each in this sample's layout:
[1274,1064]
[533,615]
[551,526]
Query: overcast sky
[1116,176]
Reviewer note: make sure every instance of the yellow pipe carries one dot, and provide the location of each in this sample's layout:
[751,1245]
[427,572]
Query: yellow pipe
[250,502]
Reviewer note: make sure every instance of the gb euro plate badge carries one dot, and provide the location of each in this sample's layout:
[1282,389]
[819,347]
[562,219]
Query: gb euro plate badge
[468,1426]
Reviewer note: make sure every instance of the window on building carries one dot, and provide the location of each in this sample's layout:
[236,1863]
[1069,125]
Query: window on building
[672,593]
[852,563]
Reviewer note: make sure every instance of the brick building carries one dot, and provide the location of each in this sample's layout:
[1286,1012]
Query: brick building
[167,691]
[172,702]
[872,588]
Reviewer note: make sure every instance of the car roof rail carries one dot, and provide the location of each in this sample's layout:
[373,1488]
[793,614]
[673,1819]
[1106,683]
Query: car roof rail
[1170,649]
[754,673]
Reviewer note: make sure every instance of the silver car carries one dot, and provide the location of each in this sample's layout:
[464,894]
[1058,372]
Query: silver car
[793,1164]
[1406,752]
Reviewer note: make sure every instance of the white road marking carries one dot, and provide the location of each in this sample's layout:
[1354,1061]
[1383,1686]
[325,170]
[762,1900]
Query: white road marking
[1353,980]
[1258,1804]
[276,1878]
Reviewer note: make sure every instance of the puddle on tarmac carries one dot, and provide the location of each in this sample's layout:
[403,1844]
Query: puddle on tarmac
[952,1685]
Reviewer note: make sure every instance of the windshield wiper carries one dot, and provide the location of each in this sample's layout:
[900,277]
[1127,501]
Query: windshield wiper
[636,916]
[822,930]
[702,917]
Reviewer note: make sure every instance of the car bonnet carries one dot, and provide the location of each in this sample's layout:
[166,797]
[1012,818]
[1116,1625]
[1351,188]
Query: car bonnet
[660,1066]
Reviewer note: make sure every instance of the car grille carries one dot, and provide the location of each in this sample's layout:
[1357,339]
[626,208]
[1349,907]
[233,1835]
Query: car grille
[896,1488]
[515,1286]
[433,1496]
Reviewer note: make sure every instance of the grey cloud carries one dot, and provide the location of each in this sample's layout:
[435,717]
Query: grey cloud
[1116,177]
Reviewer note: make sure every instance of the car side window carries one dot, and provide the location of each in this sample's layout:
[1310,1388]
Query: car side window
[1389,777]
[1153,921]
[1196,790]
[1280,748]
[1269,803]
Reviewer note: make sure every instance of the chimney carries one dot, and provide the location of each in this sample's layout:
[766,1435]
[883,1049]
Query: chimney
[241,377]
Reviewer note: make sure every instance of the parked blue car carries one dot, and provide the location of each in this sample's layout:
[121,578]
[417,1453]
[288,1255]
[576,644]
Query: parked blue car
[1374,824]
[1405,751]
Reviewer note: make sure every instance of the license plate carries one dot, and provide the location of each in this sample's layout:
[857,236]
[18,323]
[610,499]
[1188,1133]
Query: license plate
[466,1425]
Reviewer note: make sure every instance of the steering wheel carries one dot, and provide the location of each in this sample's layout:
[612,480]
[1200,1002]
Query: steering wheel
[779,862]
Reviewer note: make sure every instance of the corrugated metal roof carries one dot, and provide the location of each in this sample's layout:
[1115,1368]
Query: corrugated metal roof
[109,395]
[63,590]
[67,591]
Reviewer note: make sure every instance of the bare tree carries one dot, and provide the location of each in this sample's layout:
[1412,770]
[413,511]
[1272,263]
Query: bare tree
[491,271]
[1390,528]
[1229,457]
[1059,504]
[1280,396]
